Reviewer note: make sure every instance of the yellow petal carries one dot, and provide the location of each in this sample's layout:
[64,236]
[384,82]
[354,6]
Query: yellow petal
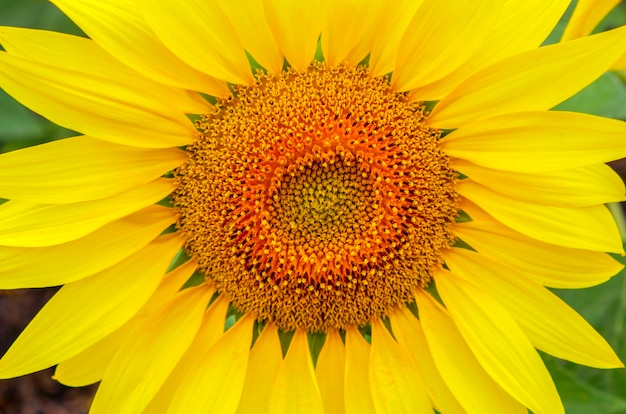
[88,366]
[441,36]
[580,187]
[133,377]
[498,342]
[215,383]
[396,384]
[101,104]
[295,389]
[548,264]
[57,265]
[620,64]
[587,228]
[358,395]
[248,19]
[586,16]
[410,336]
[119,29]
[32,225]
[211,330]
[510,85]
[200,33]
[393,20]
[523,25]
[265,358]
[329,370]
[80,169]
[550,324]
[296,26]
[83,312]
[345,28]
[477,392]
[536,142]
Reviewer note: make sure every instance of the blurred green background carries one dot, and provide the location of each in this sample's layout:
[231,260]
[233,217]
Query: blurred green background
[584,390]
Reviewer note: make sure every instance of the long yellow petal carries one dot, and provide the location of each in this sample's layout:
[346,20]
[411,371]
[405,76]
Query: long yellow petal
[57,265]
[25,224]
[265,359]
[440,38]
[586,16]
[587,228]
[536,142]
[88,366]
[392,22]
[551,325]
[119,29]
[133,377]
[523,25]
[215,383]
[579,187]
[551,265]
[345,28]
[295,389]
[98,103]
[200,33]
[510,85]
[296,26]
[248,19]
[83,312]
[358,394]
[80,169]
[477,392]
[330,369]
[211,330]
[396,384]
[500,345]
[410,336]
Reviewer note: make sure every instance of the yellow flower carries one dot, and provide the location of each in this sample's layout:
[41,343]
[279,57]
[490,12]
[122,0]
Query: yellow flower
[313,202]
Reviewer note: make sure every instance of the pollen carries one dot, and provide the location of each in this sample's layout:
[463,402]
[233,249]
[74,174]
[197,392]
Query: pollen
[316,199]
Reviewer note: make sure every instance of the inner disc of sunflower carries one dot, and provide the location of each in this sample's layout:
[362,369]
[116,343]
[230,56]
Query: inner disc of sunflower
[316,199]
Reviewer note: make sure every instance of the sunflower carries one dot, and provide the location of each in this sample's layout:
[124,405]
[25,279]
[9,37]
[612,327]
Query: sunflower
[309,206]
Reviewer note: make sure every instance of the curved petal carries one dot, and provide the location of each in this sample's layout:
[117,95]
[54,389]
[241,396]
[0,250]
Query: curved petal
[550,324]
[548,264]
[80,169]
[215,382]
[580,187]
[248,19]
[439,39]
[200,33]
[510,85]
[296,26]
[393,20]
[523,25]
[133,377]
[477,392]
[345,28]
[265,359]
[83,312]
[57,265]
[586,16]
[106,105]
[25,224]
[295,389]
[396,384]
[88,366]
[587,228]
[330,373]
[410,336]
[536,142]
[358,394]
[119,29]
[498,342]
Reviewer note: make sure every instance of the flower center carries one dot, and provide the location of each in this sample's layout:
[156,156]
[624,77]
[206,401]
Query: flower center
[316,199]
